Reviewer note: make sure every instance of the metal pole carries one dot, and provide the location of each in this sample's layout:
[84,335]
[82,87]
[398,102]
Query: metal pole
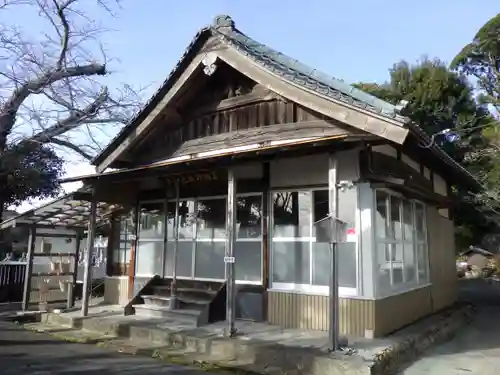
[333,330]
[29,269]
[230,280]
[176,240]
[87,278]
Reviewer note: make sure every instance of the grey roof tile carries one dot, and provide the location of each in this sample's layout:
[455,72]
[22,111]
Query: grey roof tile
[292,70]
[304,75]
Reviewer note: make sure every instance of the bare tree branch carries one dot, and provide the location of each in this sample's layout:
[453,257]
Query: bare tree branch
[78,149]
[53,97]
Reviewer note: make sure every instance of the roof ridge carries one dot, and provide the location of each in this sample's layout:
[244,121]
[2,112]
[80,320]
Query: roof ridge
[294,70]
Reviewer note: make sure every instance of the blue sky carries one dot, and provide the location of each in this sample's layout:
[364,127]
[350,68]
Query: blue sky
[357,40]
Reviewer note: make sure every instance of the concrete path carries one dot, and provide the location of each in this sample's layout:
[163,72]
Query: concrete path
[29,353]
[476,349]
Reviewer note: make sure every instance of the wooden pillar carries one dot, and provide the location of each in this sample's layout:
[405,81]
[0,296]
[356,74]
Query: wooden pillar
[114,228]
[173,286]
[78,240]
[133,249]
[265,224]
[29,268]
[229,258]
[87,279]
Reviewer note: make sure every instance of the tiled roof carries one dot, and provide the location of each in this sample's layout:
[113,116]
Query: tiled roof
[294,71]
[291,70]
[287,67]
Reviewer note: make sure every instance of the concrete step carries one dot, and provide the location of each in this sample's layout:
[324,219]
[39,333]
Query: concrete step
[164,290]
[191,316]
[156,300]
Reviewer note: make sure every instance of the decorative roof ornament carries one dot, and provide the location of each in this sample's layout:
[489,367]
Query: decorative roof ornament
[209,62]
[223,23]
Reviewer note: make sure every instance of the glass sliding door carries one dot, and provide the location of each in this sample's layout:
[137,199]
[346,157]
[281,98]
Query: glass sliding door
[202,238]
[299,263]
[150,242]
[185,247]
[248,246]
[210,238]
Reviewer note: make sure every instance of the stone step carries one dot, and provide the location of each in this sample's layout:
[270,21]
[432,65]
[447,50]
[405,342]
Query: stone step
[185,315]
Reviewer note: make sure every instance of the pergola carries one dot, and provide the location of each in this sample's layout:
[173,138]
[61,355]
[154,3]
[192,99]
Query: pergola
[76,211]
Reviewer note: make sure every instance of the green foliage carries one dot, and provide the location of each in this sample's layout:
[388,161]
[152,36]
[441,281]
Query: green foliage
[438,99]
[31,170]
[481,59]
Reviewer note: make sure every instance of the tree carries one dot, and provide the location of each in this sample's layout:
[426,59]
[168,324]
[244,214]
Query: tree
[439,99]
[481,60]
[52,94]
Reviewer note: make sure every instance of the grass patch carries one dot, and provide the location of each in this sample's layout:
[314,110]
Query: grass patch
[190,360]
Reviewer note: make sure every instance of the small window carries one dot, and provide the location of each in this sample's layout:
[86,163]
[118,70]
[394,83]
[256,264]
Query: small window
[401,247]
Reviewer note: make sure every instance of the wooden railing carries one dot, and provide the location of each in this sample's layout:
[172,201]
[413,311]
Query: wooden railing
[11,281]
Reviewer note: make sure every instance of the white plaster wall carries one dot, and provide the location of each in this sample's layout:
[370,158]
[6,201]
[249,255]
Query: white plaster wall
[366,245]
[427,173]
[409,161]
[252,170]
[312,170]
[441,188]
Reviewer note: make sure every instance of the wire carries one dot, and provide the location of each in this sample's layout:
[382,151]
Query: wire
[457,131]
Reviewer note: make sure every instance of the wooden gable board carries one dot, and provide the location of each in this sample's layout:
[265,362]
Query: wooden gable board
[215,50]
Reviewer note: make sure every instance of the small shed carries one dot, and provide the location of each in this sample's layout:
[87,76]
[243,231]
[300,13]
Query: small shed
[477,257]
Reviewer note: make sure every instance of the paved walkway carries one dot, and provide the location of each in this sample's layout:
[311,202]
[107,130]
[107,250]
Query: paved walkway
[476,349]
[29,353]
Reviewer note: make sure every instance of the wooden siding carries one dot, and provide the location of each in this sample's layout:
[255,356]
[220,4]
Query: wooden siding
[228,103]
[294,310]
[220,126]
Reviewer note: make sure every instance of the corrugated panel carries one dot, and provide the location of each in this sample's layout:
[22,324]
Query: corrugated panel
[398,311]
[293,310]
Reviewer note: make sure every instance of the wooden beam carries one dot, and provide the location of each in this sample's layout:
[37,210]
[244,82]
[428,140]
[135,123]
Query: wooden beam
[257,95]
[229,253]
[291,130]
[266,182]
[29,268]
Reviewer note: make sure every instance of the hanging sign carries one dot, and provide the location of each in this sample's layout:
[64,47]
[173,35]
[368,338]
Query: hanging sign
[351,235]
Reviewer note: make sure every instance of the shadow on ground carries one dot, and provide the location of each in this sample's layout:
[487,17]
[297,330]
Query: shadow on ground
[29,353]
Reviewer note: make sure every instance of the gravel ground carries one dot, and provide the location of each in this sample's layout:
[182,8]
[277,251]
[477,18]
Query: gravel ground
[24,352]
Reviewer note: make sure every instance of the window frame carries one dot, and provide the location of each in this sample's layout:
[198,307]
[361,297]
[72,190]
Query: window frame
[405,285]
[194,238]
[305,288]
